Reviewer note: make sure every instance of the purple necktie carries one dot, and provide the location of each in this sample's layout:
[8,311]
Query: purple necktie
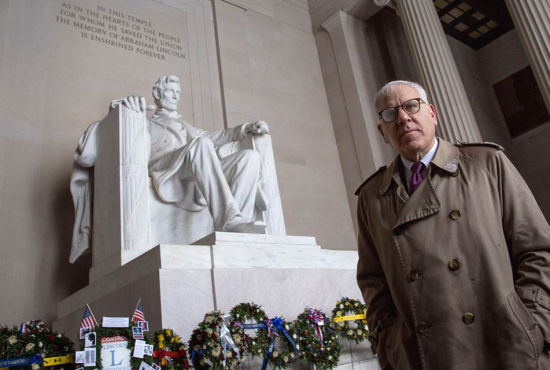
[416,177]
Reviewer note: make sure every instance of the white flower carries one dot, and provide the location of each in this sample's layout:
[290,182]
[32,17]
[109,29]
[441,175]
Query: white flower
[341,306]
[339,313]
[350,332]
[12,339]
[294,336]
[216,352]
[208,319]
[285,359]
[237,338]
[238,316]
[29,347]
[253,342]
[40,344]
[258,310]
[35,366]
[209,331]
[286,327]
[298,347]
[341,323]
[359,332]
[228,354]
[356,304]
[330,357]
[291,355]
[366,327]
[59,335]
[275,354]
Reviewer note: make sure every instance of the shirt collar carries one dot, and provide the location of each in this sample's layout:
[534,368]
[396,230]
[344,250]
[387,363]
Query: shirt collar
[426,159]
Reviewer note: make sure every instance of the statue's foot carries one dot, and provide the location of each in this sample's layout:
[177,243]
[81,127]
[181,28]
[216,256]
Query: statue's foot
[255,227]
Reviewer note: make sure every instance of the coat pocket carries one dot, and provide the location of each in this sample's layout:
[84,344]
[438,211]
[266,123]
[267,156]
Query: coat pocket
[387,340]
[527,322]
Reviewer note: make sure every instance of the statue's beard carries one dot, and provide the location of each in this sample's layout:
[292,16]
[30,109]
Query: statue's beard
[167,104]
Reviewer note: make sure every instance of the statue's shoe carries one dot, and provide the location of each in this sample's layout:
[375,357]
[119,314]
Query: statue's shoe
[255,227]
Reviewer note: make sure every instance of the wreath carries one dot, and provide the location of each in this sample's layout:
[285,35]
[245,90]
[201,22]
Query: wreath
[169,351]
[251,316]
[341,316]
[318,339]
[215,341]
[280,360]
[32,338]
[123,332]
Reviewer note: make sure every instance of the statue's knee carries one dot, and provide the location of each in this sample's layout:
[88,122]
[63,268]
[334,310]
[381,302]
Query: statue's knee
[204,143]
[252,157]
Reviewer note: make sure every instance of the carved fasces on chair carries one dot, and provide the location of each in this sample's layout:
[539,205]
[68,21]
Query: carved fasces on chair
[121,211]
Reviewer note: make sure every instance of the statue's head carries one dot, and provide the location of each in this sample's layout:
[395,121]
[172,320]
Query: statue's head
[166,92]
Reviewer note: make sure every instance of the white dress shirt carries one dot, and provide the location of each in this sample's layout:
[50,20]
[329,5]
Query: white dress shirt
[426,160]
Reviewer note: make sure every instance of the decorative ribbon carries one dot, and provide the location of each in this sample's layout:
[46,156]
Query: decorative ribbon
[53,361]
[21,361]
[276,326]
[161,354]
[317,318]
[200,353]
[350,318]
[225,337]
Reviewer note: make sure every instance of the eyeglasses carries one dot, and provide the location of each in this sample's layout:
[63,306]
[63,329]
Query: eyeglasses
[410,107]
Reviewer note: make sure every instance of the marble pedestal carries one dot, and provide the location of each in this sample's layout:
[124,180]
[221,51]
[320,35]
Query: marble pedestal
[178,284]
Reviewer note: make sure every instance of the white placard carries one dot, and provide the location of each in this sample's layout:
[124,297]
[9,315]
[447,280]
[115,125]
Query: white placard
[90,340]
[115,353]
[139,348]
[89,357]
[145,366]
[116,322]
[79,358]
[149,350]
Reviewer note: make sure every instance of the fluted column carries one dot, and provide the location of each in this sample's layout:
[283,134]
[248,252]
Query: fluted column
[437,69]
[532,20]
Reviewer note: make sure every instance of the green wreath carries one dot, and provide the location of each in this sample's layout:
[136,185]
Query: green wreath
[281,360]
[37,339]
[351,307]
[251,314]
[169,351]
[205,343]
[124,332]
[319,343]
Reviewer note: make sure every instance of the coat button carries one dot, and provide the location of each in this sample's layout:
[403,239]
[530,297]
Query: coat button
[455,214]
[422,328]
[468,318]
[454,264]
[412,276]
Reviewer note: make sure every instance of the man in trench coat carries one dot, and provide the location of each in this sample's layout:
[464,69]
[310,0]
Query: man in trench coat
[454,252]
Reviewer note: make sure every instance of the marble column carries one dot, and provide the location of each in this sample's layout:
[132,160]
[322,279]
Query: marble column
[532,20]
[437,69]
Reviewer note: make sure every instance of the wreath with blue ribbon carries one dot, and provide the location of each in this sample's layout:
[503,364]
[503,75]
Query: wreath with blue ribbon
[278,328]
[318,339]
[217,341]
[250,316]
[347,311]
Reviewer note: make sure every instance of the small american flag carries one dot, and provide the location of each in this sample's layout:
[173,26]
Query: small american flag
[23,328]
[138,313]
[88,320]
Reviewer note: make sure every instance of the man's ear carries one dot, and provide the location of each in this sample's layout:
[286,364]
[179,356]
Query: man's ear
[433,113]
[381,131]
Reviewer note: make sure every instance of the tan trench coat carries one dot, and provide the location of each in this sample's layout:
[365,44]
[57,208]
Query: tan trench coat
[458,275]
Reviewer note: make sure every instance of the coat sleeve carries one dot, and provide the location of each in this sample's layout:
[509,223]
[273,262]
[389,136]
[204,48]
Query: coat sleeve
[381,311]
[528,236]
[220,138]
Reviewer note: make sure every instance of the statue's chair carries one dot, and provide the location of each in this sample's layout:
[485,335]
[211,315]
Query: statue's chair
[129,218]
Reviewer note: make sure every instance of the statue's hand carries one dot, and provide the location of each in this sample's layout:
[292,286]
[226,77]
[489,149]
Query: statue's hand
[137,103]
[259,127]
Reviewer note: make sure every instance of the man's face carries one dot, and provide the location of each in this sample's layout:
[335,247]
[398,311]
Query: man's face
[411,135]
[170,96]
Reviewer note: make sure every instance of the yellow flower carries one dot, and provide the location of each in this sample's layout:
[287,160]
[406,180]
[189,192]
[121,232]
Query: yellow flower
[161,338]
[169,332]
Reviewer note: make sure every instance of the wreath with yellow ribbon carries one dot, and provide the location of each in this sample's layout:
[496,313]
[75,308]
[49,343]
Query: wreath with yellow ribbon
[169,352]
[349,315]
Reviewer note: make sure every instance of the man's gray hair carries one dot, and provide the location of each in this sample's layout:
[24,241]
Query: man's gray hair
[390,86]
[164,80]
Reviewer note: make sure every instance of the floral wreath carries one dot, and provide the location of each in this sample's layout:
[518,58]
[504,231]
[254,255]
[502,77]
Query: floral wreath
[318,339]
[32,338]
[206,343]
[169,351]
[278,328]
[101,333]
[341,316]
[251,312]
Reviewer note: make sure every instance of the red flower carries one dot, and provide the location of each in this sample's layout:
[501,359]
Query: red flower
[4,330]
[51,337]
[214,336]
[55,346]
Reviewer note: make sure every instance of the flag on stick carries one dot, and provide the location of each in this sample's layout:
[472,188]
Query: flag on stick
[138,313]
[88,320]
